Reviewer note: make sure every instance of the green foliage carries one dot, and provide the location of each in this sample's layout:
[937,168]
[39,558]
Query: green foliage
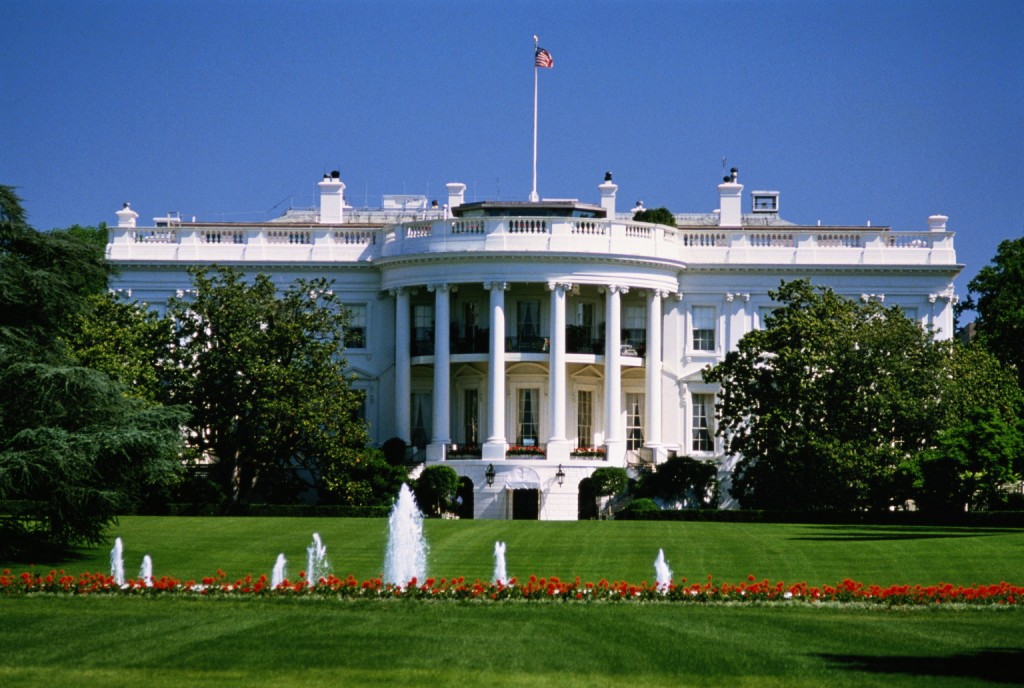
[660,216]
[827,403]
[435,490]
[642,505]
[683,479]
[74,449]
[263,373]
[124,340]
[971,463]
[609,480]
[1000,304]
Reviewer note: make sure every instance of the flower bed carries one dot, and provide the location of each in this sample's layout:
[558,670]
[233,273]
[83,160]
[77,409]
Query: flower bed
[534,588]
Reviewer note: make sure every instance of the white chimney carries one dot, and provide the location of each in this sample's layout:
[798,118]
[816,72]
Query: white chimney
[332,199]
[608,189]
[456,194]
[937,223]
[126,216]
[730,199]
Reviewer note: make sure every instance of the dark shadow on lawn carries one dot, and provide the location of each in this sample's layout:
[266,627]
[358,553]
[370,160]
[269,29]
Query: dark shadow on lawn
[854,533]
[994,665]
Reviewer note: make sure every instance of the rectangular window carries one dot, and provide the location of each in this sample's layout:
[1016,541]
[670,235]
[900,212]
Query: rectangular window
[422,329]
[528,337]
[355,332]
[634,421]
[527,410]
[584,418]
[702,416]
[634,326]
[470,417]
[421,419]
[703,324]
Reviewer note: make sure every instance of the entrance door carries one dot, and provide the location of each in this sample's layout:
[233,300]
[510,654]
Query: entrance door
[525,505]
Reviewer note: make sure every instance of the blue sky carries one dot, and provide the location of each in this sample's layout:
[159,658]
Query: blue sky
[855,111]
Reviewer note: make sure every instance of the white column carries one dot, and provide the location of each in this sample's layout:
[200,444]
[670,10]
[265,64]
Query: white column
[613,439]
[495,446]
[652,363]
[403,365]
[442,379]
[557,446]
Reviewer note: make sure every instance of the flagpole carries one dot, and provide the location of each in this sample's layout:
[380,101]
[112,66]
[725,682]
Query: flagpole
[533,194]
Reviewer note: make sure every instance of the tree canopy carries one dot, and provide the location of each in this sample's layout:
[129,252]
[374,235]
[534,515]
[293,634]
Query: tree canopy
[999,287]
[661,216]
[74,449]
[263,373]
[826,403]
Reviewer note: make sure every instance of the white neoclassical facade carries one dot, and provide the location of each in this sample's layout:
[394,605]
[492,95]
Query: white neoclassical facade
[527,344]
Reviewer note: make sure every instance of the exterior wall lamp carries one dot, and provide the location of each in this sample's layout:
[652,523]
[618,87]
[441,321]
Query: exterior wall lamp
[489,474]
[560,475]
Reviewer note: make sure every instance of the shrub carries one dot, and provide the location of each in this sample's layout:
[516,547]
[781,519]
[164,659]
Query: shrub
[435,490]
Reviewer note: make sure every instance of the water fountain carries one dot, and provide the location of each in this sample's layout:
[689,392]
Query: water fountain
[500,574]
[117,562]
[662,572]
[406,556]
[279,574]
[146,571]
[317,566]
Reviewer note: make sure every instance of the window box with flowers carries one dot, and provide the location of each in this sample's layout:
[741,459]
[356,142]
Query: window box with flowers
[519,451]
[463,451]
[597,453]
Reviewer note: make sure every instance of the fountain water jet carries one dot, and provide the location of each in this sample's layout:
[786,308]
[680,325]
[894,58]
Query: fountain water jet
[117,562]
[317,566]
[146,571]
[406,556]
[279,573]
[500,574]
[662,572]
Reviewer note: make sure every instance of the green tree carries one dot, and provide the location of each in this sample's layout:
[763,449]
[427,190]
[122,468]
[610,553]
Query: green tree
[660,216]
[124,340]
[683,479]
[608,481]
[979,445]
[74,449]
[263,373]
[435,489]
[826,403]
[1000,304]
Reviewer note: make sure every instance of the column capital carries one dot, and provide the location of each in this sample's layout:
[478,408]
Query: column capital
[442,287]
[659,293]
[617,289]
[396,291]
[560,286]
[496,286]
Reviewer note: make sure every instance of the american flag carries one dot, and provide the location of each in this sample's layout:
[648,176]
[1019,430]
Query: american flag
[543,59]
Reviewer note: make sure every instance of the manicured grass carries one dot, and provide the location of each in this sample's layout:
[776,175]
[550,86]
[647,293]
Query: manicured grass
[167,641]
[187,548]
[84,642]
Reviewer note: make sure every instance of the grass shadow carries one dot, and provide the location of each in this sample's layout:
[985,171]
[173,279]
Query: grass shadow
[996,665]
[858,533]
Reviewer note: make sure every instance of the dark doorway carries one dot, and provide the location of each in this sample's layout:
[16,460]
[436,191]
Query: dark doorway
[525,505]
[587,501]
[464,498]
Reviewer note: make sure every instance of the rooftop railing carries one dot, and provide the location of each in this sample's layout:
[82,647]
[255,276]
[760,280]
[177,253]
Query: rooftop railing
[571,236]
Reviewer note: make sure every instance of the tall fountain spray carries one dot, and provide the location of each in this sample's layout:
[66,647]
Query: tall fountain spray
[662,573]
[146,571]
[117,562]
[317,566]
[279,574]
[500,574]
[406,556]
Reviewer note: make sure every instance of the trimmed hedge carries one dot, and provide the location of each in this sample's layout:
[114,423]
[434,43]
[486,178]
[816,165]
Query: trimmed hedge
[292,510]
[1000,519]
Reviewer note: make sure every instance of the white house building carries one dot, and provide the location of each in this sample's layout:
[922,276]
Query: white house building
[527,344]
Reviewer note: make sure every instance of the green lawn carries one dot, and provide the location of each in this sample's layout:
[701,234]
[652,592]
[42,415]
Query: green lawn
[112,641]
[818,554]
